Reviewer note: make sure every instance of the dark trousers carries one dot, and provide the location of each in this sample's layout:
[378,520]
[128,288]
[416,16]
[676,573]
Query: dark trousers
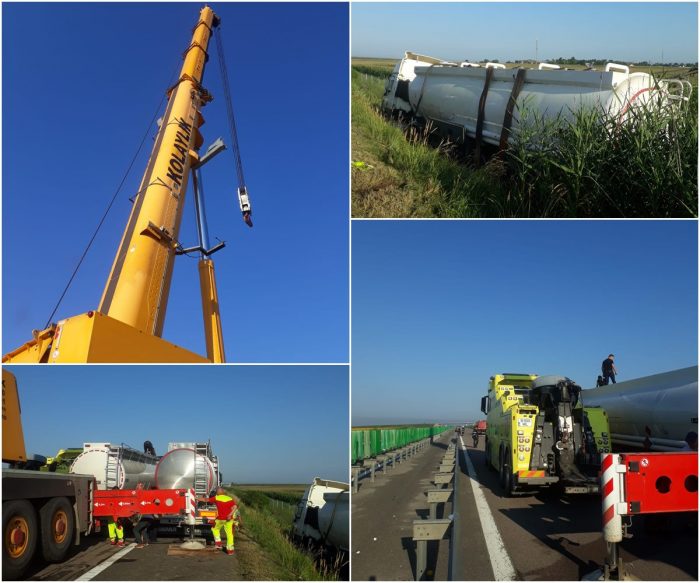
[611,376]
[146,530]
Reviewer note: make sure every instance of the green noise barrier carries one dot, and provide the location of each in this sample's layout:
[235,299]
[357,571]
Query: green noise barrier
[368,442]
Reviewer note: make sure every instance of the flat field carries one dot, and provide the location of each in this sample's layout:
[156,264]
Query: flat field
[587,169]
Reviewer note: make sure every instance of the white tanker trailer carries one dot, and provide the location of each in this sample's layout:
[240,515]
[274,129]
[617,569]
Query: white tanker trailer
[115,466]
[323,514]
[459,97]
[650,413]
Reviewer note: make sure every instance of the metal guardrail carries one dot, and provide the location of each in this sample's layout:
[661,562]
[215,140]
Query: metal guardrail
[385,462]
[433,528]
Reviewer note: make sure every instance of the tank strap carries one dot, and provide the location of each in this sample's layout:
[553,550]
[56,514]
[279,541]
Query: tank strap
[480,116]
[508,118]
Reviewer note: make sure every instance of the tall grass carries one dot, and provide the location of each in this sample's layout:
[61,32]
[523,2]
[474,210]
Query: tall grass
[269,526]
[588,165]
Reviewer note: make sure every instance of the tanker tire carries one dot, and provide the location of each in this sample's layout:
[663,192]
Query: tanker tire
[54,545]
[14,566]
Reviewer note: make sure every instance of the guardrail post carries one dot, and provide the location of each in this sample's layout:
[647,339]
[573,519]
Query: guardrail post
[355,479]
[423,531]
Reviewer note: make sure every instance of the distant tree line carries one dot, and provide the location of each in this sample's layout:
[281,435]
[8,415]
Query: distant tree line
[597,62]
[600,62]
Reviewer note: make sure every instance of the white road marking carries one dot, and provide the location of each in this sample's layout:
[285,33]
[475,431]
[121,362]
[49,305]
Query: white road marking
[95,571]
[501,565]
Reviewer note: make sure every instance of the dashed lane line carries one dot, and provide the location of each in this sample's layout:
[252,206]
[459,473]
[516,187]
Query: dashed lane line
[95,571]
[501,564]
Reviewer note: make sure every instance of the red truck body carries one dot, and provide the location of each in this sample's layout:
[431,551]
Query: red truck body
[480,427]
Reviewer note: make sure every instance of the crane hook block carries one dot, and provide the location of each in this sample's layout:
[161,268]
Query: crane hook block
[244,203]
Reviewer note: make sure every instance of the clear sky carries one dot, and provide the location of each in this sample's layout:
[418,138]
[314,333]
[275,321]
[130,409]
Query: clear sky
[267,424]
[439,307]
[81,82]
[629,31]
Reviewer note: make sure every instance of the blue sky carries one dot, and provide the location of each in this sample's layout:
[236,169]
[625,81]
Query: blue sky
[477,30]
[438,307]
[267,424]
[81,83]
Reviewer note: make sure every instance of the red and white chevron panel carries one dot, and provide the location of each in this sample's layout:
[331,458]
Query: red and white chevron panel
[190,507]
[612,497]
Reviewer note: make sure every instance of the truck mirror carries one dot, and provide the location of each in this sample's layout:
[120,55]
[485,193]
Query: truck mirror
[484,404]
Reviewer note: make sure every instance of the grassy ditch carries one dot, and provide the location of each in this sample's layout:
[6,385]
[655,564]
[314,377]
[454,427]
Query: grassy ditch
[267,515]
[592,167]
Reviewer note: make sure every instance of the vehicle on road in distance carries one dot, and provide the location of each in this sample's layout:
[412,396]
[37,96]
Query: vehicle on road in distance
[480,427]
[540,434]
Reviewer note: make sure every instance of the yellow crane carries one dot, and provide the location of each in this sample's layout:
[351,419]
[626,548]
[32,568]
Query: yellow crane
[128,323]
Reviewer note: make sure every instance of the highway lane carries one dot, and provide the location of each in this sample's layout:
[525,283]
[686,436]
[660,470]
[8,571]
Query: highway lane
[555,537]
[97,560]
[538,536]
[383,515]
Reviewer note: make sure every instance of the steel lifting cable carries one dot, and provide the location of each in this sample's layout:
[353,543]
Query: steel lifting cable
[229,107]
[109,207]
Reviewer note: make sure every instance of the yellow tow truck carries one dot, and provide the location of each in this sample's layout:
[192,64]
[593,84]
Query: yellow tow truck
[539,433]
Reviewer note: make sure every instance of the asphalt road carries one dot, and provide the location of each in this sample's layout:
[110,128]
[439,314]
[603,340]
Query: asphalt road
[545,536]
[383,515]
[161,561]
[555,537]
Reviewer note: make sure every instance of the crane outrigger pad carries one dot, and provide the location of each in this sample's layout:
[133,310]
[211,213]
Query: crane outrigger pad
[95,337]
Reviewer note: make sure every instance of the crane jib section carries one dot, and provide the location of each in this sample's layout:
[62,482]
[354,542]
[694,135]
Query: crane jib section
[139,283]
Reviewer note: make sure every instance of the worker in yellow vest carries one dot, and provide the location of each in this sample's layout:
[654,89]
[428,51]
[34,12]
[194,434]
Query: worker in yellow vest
[227,515]
[116,531]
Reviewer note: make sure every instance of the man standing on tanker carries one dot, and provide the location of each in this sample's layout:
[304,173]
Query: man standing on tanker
[227,515]
[609,370]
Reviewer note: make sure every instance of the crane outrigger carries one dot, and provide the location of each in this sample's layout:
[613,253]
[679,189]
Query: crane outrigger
[128,324]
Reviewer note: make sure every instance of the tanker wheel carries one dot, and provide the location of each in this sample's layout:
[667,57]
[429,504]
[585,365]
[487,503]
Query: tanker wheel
[19,532]
[57,527]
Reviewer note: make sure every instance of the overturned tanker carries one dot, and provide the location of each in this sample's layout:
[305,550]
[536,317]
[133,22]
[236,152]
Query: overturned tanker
[486,102]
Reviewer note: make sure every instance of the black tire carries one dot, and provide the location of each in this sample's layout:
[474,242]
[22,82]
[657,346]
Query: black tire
[501,472]
[18,518]
[487,454]
[507,475]
[57,529]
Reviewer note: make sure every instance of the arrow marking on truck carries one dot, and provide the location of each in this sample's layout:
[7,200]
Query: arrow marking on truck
[501,564]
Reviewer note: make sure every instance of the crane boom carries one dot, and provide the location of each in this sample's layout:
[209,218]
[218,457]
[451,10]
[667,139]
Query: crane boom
[128,324]
[137,289]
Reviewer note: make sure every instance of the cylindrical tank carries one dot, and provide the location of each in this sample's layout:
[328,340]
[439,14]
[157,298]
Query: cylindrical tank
[449,93]
[323,514]
[654,412]
[334,518]
[115,466]
[176,469]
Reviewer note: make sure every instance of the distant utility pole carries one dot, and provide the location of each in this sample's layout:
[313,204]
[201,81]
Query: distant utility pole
[536,50]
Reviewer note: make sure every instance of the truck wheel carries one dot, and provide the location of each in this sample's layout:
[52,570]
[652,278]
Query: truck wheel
[57,529]
[486,453]
[507,476]
[19,537]
[501,472]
